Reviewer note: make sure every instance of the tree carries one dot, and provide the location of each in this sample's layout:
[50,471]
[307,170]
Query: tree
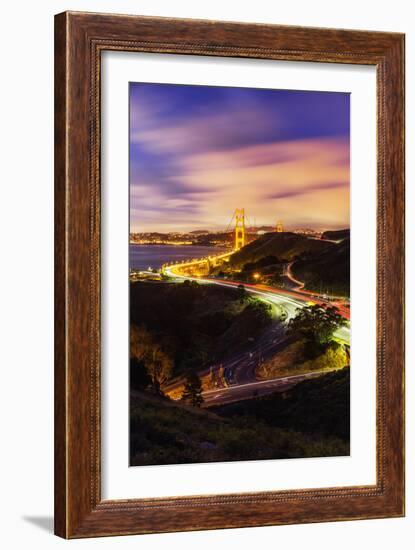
[145,348]
[316,322]
[260,312]
[192,392]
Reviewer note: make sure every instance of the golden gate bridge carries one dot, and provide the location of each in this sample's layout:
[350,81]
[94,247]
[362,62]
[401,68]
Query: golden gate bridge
[202,266]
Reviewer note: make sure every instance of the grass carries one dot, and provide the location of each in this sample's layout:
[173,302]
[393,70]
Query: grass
[293,360]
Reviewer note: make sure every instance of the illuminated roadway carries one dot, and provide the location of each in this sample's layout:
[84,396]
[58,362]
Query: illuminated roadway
[239,371]
[290,301]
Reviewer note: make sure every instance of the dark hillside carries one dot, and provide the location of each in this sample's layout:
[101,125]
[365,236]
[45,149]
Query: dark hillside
[328,271]
[284,246]
[319,406]
[336,235]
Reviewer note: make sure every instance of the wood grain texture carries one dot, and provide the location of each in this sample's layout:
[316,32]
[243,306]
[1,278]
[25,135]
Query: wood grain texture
[79,40]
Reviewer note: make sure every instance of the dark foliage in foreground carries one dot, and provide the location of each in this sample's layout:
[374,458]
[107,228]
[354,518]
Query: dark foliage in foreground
[316,407]
[162,432]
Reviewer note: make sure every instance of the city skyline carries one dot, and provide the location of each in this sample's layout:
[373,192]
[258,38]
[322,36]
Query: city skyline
[198,152]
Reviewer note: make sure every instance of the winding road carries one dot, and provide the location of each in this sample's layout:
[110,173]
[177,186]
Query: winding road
[239,381]
[241,392]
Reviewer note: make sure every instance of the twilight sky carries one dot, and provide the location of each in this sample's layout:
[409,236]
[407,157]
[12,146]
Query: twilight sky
[199,152]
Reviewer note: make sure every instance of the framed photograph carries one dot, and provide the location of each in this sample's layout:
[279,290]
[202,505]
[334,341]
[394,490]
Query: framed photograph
[229,275]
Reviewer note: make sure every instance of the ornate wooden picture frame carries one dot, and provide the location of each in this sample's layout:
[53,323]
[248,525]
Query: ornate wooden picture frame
[80,38]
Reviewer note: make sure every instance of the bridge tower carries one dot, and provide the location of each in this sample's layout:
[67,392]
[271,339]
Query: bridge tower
[279,228]
[239,228]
